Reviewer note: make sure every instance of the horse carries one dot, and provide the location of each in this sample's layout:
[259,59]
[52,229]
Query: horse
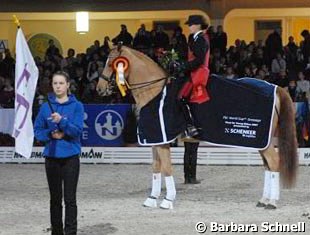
[146,79]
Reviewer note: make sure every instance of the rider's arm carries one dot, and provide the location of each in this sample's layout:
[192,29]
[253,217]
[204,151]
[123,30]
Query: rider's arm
[199,49]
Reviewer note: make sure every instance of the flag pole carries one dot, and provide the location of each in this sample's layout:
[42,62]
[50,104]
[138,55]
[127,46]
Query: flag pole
[16,21]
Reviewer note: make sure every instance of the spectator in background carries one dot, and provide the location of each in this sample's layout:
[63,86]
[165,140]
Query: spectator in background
[96,46]
[80,79]
[230,73]
[90,95]
[281,79]
[97,59]
[274,44]
[143,28]
[211,34]
[303,85]
[106,46]
[68,63]
[254,69]
[7,65]
[258,57]
[2,68]
[45,83]
[7,94]
[291,54]
[243,61]
[1,83]
[141,41]
[52,50]
[260,45]
[179,43]
[123,37]
[266,70]
[278,64]
[292,90]
[160,39]
[291,45]
[217,68]
[220,40]
[92,73]
[102,58]
[247,72]
[305,44]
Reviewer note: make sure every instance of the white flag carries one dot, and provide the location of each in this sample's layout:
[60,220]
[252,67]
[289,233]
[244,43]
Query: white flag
[26,77]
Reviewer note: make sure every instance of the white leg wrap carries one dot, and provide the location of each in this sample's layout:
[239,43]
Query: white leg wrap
[171,192]
[266,193]
[275,186]
[150,202]
[166,204]
[156,185]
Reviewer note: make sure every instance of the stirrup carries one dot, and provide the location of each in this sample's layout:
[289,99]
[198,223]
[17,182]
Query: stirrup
[166,204]
[150,202]
[191,131]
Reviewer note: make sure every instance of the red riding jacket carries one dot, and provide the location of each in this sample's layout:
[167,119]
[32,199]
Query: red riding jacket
[198,64]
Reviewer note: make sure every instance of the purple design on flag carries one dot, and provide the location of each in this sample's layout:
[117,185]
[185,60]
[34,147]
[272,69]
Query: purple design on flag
[21,100]
[25,75]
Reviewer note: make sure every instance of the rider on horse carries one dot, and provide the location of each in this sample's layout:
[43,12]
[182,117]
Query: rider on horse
[194,91]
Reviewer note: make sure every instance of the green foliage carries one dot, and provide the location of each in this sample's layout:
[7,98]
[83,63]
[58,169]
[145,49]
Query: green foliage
[167,58]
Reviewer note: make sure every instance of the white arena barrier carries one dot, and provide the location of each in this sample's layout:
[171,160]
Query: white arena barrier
[143,155]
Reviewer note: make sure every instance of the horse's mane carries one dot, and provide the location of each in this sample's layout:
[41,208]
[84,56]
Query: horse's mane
[142,56]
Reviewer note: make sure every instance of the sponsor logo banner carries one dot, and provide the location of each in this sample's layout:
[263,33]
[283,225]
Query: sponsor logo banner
[104,124]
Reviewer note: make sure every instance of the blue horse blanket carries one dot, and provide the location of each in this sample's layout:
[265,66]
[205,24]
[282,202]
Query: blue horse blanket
[239,114]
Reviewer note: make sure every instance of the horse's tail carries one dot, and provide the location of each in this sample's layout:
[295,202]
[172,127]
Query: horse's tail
[287,139]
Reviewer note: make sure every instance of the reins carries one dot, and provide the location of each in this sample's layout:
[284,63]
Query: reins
[145,84]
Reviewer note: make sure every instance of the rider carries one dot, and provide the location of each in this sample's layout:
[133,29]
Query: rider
[194,91]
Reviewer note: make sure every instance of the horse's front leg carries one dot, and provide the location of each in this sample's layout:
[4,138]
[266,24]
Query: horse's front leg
[166,168]
[156,180]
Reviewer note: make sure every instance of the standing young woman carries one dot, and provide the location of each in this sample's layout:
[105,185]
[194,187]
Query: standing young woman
[59,125]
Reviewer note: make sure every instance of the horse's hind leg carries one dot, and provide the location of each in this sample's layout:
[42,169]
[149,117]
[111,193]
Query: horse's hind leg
[271,191]
[156,180]
[166,168]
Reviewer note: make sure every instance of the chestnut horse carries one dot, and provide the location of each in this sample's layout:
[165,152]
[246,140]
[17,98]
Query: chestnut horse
[146,79]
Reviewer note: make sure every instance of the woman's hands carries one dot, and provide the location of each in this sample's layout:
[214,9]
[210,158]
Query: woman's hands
[57,134]
[56,117]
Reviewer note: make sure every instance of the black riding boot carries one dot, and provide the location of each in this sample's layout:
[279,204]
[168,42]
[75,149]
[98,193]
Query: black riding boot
[187,160]
[193,164]
[191,130]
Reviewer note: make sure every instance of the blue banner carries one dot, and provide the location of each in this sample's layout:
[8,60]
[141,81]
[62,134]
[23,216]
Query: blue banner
[104,124]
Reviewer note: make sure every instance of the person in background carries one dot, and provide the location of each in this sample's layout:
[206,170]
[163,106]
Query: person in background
[59,125]
[124,36]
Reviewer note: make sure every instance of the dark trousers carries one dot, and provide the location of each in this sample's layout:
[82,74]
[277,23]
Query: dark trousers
[190,160]
[62,176]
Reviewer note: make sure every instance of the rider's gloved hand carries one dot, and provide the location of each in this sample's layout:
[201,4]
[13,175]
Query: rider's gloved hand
[176,67]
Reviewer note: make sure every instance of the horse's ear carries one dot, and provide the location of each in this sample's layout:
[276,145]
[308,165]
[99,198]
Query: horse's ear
[111,45]
[119,45]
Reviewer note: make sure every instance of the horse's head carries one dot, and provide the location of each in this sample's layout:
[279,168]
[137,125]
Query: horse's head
[107,83]
[143,76]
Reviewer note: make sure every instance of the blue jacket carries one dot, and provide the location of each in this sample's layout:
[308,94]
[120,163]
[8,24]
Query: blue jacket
[71,124]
